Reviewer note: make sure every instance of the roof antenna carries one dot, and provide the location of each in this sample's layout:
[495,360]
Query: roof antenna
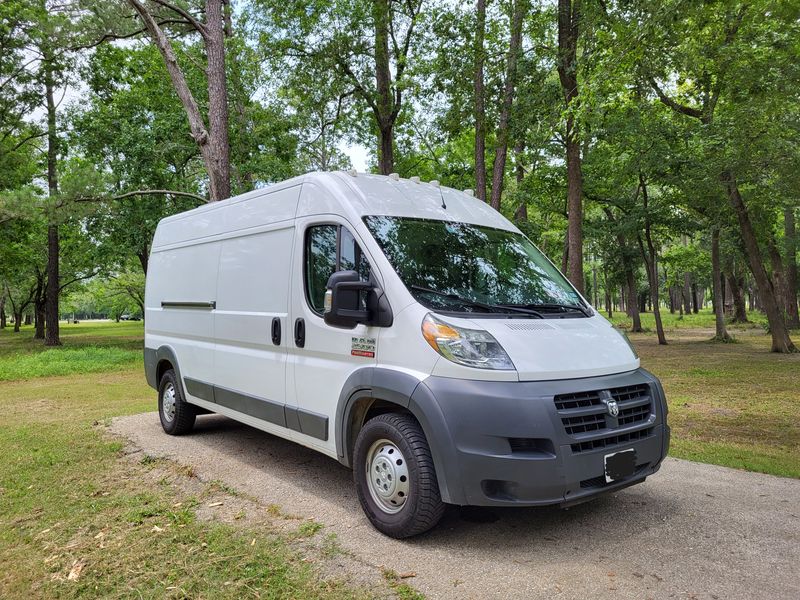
[441,193]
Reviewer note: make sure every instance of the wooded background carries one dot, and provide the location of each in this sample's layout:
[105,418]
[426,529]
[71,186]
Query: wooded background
[650,148]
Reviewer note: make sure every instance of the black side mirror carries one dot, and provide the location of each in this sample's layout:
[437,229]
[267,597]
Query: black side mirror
[344,306]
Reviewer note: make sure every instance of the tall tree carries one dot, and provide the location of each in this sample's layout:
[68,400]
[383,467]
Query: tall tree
[518,13]
[479,56]
[365,47]
[569,28]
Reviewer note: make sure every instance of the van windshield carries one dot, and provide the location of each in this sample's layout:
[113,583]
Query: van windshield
[459,267]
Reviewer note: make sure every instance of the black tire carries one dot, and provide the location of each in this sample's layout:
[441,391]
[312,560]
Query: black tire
[422,507]
[184,414]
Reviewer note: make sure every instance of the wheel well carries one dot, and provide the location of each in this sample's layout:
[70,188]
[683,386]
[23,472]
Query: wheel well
[362,411]
[163,366]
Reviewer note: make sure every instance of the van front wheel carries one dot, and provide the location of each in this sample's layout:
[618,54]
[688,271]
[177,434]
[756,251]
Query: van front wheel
[395,477]
[177,416]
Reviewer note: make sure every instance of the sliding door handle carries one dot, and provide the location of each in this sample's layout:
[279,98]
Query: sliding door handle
[276,331]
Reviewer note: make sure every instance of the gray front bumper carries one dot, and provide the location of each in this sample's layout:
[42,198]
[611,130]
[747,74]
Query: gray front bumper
[504,443]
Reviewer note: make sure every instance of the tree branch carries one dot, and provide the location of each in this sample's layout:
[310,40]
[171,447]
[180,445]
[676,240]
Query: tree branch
[190,19]
[676,106]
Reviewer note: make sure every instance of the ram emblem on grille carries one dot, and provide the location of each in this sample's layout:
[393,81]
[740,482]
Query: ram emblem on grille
[612,406]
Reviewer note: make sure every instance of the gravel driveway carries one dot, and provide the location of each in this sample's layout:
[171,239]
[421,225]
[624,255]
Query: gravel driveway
[691,531]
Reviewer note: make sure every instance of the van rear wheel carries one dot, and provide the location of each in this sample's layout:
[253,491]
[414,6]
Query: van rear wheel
[395,477]
[177,416]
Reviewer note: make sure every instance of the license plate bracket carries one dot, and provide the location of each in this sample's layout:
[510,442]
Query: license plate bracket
[619,465]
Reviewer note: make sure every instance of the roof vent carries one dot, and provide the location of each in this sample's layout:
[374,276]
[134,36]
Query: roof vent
[415,179]
[394,176]
[352,172]
[434,182]
[469,192]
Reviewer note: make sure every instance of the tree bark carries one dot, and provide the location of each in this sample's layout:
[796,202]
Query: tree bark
[519,11]
[39,320]
[737,294]
[633,306]
[695,299]
[381,16]
[716,275]
[218,140]
[53,290]
[781,341]
[480,101]
[2,311]
[568,32]
[790,260]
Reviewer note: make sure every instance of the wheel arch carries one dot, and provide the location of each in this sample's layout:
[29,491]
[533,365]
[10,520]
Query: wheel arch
[371,391]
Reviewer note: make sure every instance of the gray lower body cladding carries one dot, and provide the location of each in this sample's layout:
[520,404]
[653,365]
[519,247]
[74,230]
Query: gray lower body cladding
[539,443]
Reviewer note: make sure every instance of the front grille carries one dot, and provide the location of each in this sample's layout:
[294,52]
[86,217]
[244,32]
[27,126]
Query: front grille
[599,482]
[586,415]
[580,400]
[612,440]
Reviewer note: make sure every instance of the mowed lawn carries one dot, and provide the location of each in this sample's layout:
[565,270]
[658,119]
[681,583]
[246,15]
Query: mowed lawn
[79,519]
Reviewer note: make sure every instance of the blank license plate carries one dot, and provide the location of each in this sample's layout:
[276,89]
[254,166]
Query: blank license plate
[620,465]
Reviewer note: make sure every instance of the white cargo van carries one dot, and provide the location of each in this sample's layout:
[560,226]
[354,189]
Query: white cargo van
[408,331]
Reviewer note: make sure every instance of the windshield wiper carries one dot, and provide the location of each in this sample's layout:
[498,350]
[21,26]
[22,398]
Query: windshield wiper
[467,301]
[570,307]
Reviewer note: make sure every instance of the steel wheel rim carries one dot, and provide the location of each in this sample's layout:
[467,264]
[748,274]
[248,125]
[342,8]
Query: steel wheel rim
[168,402]
[387,476]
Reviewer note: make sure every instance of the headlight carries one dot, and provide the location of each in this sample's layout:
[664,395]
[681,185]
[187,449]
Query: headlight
[627,341]
[468,347]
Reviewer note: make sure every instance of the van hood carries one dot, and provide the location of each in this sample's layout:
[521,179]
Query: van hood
[543,349]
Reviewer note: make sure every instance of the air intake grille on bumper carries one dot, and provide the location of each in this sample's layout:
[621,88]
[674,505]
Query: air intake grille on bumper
[589,419]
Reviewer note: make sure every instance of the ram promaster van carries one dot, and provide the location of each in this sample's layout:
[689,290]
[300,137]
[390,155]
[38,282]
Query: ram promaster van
[408,331]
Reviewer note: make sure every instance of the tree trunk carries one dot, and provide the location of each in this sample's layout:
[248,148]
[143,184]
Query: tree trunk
[687,293]
[716,275]
[568,21]
[633,306]
[501,146]
[737,294]
[51,337]
[39,319]
[480,102]
[2,311]
[790,251]
[17,321]
[651,262]
[218,141]
[777,325]
[381,14]
[695,299]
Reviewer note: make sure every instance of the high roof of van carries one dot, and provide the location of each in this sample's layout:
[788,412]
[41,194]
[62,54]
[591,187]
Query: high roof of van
[351,195]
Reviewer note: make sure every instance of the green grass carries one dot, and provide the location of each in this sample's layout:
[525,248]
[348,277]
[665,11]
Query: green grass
[704,319]
[66,361]
[730,404]
[71,503]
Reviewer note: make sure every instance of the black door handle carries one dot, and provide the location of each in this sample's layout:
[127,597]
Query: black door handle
[299,333]
[276,331]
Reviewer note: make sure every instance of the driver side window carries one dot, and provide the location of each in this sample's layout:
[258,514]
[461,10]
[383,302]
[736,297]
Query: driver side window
[330,248]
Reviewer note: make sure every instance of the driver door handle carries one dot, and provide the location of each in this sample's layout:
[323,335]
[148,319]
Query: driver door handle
[299,333]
